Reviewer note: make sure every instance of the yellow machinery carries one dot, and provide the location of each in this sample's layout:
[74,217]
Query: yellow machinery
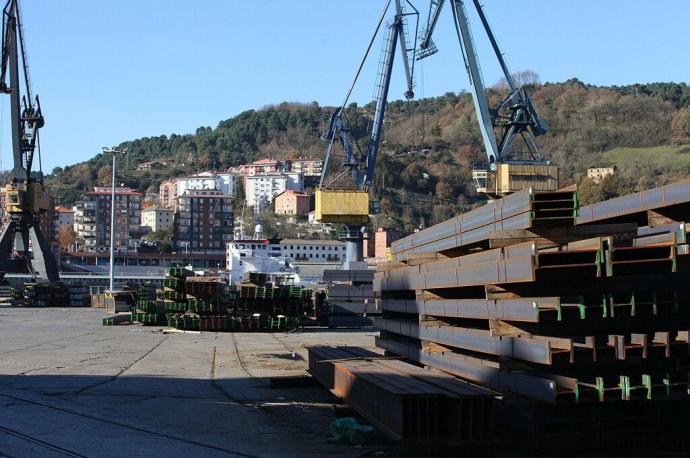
[22,197]
[507,169]
[509,178]
[342,206]
[344,197]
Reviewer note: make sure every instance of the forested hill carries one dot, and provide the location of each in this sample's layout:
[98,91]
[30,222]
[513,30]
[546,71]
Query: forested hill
[429,144]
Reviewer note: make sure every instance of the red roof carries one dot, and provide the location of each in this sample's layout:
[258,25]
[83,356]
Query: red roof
[264,161]
[61,209]
[292,191]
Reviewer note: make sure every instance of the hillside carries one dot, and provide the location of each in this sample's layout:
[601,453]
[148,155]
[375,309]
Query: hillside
[429,144]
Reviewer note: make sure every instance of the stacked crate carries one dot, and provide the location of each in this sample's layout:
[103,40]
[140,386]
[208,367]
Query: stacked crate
[519,297]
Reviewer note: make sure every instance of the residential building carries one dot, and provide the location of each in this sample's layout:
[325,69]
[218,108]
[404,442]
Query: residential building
[263,188]
[225,181]
[383,238]
[292,203]
[157,218]
[151,165]
[596,174]
[168,193]
[309,167]
[196,182]
[63,217]
[261,166]
[47,225]
[92,219]
[203,221]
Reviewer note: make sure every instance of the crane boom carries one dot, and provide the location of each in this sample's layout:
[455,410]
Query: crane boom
[481,103]
[338,129]
[515,117]
[348,203]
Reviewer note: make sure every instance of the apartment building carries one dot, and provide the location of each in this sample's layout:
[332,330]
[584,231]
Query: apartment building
[92,219]
[261,189]
[204,221]
[596,174]
[309,167]
[157,218]
[168,193]
[225,182]
[292,203]
[260,167]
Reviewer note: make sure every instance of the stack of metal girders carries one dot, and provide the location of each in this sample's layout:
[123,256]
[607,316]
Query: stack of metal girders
[524,297]
[405,402]
[45,295]
[350,300]
[147,310]
[78,295]
[197,305]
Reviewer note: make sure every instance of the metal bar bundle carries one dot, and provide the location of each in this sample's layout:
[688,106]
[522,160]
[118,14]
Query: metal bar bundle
[672,201]
[522,210]
[547,309]
[404,401]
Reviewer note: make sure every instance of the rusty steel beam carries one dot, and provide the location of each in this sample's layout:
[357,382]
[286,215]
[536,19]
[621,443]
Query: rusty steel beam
[521,210]
[540,385]
[404,401]
[536,349]
[672,200]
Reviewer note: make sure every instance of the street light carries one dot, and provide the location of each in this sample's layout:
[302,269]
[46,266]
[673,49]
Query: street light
[114,151]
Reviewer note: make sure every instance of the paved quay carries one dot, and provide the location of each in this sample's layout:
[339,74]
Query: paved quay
[72,387]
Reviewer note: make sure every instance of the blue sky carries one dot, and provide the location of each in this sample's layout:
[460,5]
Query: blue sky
[115,70]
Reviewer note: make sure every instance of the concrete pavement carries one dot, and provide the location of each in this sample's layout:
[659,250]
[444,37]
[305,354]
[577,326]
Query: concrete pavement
[71,387]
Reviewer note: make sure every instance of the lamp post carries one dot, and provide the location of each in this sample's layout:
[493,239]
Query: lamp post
[114,151]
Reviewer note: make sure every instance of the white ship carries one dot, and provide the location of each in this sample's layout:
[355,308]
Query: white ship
[260,255]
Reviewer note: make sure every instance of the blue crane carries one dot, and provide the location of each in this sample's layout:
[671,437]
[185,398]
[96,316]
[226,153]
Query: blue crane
[515,117]
[346,200]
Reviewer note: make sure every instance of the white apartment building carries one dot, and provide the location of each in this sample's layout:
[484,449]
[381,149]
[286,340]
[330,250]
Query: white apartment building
[265,187]
[157,218]
[225,182]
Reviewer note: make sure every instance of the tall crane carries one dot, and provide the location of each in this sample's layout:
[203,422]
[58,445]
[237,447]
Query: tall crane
[506,169]
[345,198]
[26,198]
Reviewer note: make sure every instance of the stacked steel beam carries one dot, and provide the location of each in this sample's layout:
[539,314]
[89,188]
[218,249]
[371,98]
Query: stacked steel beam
[522,296]
[350,298]
[404,401]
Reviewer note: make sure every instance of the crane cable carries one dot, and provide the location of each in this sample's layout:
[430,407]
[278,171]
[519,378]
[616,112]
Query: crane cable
[359,70]
[366,54]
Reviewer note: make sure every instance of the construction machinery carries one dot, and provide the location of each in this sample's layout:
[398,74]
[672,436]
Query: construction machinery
[23,248]
[508,168]
[342,196]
